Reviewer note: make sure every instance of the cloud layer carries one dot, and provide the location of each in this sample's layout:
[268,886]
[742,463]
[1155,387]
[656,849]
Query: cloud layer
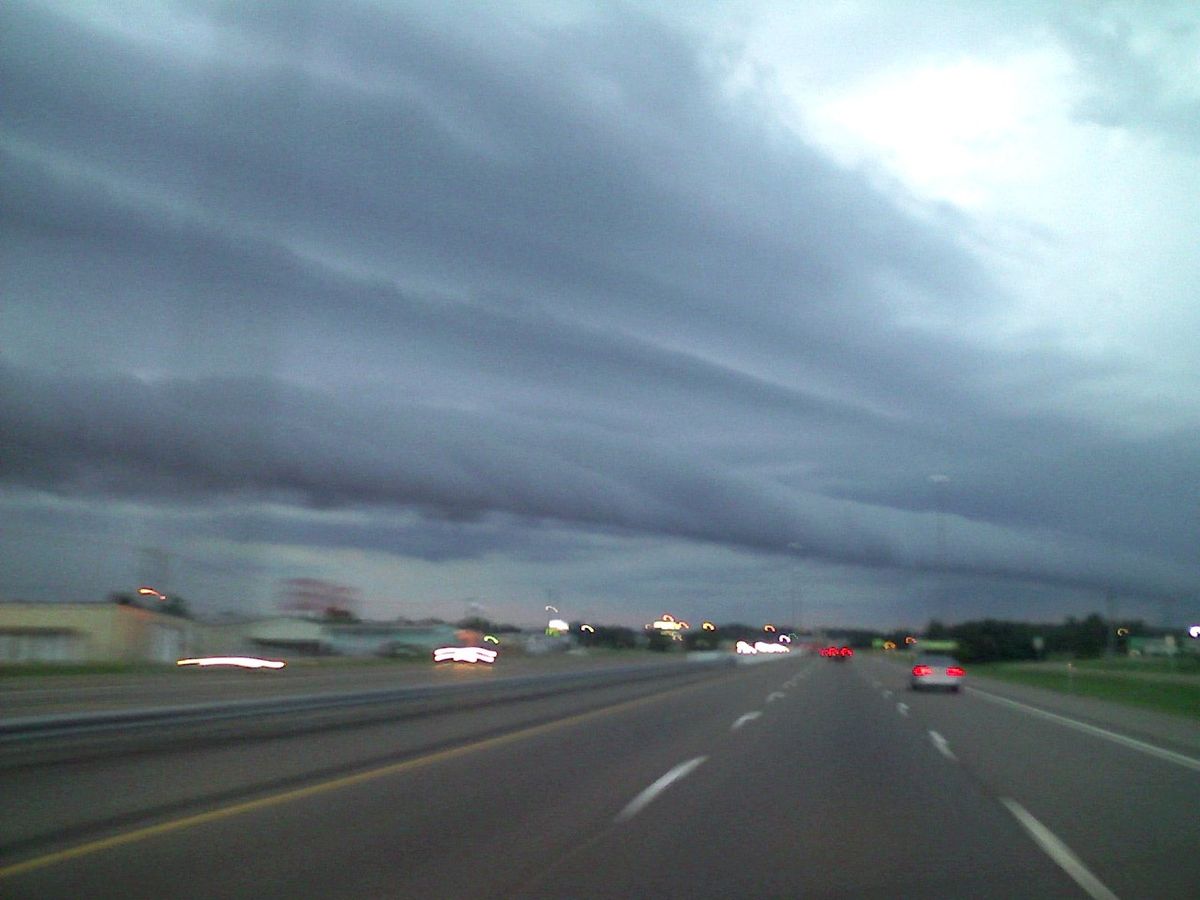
[522,270]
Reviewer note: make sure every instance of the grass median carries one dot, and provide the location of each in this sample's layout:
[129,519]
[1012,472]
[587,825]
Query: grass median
[1179,698]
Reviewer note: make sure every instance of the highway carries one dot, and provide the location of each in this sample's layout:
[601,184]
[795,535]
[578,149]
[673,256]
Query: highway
[798,777]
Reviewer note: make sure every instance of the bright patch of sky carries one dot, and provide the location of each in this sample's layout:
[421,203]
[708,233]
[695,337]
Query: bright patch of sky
[1090,225]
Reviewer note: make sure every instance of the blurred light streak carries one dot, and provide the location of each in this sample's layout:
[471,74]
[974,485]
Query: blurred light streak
[464,654]
[242,662]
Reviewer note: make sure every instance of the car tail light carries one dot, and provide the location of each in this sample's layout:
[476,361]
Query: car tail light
[846,651]
[921,671]
[956,671]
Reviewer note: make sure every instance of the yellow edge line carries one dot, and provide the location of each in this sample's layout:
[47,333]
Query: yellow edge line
[141,834]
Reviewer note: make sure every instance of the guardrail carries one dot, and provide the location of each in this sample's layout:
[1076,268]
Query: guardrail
[503,689]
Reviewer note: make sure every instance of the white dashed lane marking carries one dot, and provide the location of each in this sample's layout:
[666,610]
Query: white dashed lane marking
[942,745]
[742,720]
[646,797]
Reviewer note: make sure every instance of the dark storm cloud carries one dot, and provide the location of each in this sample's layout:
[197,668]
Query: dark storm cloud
[349,258]
[270,441]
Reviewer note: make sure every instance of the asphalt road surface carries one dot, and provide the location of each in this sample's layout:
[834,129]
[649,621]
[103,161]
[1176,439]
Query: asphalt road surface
[795,778]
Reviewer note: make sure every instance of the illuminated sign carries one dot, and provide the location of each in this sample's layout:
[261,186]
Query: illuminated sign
[557,625]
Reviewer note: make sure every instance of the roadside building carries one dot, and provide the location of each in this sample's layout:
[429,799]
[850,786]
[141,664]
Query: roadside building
[387,639]
[39,631]
[296,636]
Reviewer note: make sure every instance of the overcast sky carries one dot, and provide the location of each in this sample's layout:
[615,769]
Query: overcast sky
[858,312]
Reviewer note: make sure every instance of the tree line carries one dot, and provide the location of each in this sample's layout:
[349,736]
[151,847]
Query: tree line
[995,640]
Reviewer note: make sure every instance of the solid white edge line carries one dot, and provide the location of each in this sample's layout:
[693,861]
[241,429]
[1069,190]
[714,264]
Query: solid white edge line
[942,745]
[1169,755]
[1059,852]
[646,797]
[743,719]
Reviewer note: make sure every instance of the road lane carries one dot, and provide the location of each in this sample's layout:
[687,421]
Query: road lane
[448,827]
[1130,816]
[831,794]
[828,792]
[84,787]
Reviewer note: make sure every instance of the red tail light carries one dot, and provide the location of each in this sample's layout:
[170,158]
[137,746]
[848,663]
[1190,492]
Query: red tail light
[921,671]
[846,651]
[956,671]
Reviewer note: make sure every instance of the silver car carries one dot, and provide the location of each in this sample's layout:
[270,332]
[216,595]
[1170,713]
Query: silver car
[936,673]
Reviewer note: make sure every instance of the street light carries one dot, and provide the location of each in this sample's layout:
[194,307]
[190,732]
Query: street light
[151,592]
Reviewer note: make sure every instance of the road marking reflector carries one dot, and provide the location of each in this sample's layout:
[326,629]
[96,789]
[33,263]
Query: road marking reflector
[887,694]
[742,720]
[1179,759]
[1059,852]
[902,708]
[646,797]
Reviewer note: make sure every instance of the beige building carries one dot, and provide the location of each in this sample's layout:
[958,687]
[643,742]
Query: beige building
[106,631]
[89,632]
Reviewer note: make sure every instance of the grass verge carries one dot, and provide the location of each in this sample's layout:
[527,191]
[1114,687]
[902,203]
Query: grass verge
[1172,697]
[1182,664]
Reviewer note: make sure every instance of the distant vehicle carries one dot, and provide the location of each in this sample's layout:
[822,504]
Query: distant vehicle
[839,653]
[936,673]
